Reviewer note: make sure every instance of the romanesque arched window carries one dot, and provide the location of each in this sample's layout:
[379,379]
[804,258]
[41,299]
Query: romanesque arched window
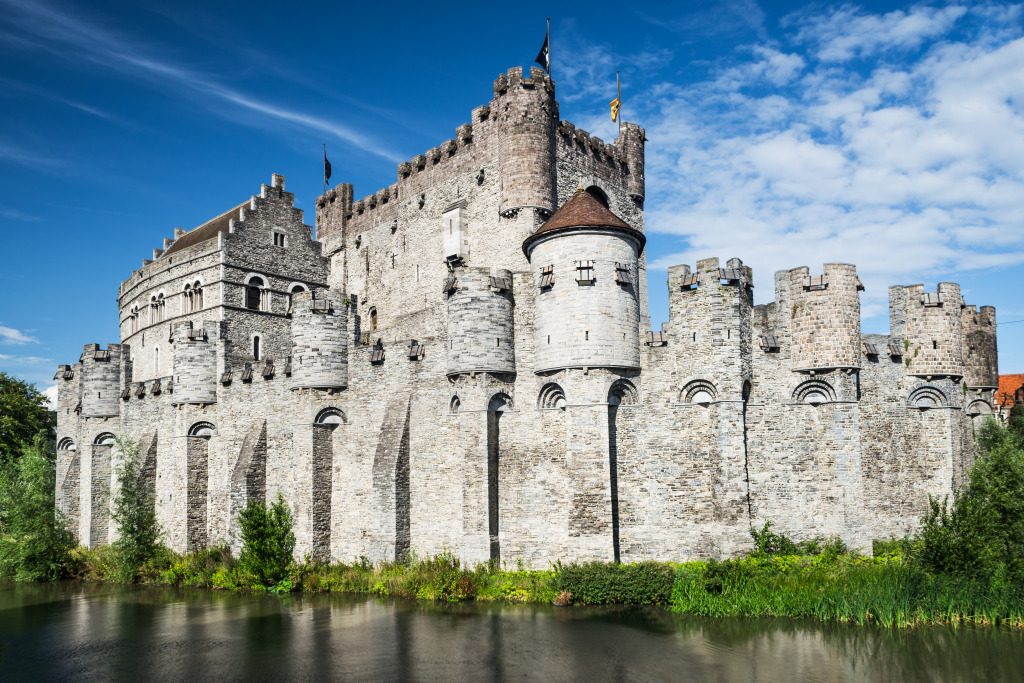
[814,392]
[104,439]
[66,444]
[551,397]
[295,289]
[256,347]
[156,360]
[152,310]
[373,319]
[202,430]
[698,391]
[330,417]
[598,194]
[186,299]
[255,294]
[197,296]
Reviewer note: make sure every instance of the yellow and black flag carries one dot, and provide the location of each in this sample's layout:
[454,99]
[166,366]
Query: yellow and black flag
[617,102]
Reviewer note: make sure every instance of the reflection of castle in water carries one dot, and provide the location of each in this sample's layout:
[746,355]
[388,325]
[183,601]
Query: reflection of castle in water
[454,363]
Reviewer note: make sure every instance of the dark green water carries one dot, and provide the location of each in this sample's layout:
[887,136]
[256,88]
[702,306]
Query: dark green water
[71,631]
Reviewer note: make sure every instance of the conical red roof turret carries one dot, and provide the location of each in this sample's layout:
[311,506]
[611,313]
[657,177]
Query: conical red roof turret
[582,211]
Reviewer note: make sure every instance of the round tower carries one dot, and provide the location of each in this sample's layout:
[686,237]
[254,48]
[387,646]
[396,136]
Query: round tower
[319,341]
[981,367]
[585,261]
[101,371]
[825,318]
[935,332]
[525,114]
[481,332]
[195,363]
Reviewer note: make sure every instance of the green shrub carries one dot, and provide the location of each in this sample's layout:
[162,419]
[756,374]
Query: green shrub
[134,513]
[267,542]
[597,583]
[982,532]
[767,543]
[34,537]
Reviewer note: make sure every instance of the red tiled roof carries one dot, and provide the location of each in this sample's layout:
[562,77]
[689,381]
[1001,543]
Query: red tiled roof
[207,230]
[583,210]
[1008,385]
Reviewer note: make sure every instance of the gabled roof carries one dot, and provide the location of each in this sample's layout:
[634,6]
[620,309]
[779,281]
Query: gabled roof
[582,211]
[206,231]
[1008,385]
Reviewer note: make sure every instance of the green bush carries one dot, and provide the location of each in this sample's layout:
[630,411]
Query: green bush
[767,543]
[34,537]
[134,513]
[982,532]
[597,583]
[267,542]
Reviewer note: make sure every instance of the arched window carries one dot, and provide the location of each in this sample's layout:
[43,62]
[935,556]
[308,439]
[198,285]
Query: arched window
[814,392]
[197,296]
[455,405]
[254,294]
[156,360]
[699,391]
[66,444]
[203,430]
[152,309]
[330,417]
[256,347]
[293,291]
[598,194]
[373,319]
[186,299]
[551,397]
[104,439]
[160,307]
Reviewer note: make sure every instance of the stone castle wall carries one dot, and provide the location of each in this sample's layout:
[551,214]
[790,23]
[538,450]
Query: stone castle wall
[408,398]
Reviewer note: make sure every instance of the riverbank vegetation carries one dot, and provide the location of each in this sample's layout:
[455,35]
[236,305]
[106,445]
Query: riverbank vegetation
[965,566]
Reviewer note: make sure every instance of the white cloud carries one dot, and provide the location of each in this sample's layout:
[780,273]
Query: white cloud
[847,32]
[9,335]
[910,168]
[51,396]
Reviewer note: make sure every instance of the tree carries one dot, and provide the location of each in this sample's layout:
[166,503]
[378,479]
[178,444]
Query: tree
[34,536]
[267,541]
[134,513]
[983,531]
[23,414]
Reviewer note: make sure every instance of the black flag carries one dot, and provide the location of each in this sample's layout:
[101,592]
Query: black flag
[544,56]
[327,166]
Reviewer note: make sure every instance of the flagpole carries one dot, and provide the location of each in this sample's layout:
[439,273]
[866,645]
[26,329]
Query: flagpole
[619,84]
[325,168]
[549,47]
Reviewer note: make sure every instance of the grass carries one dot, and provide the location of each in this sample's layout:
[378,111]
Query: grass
[886,590]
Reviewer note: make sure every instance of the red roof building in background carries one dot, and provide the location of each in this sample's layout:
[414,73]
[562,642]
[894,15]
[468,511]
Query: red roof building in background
[1011,390]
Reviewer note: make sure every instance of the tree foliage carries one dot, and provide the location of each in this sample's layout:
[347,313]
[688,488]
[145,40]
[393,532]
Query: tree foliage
[34,536]
[133,510]
[267,541]
[23,415]
[982,532]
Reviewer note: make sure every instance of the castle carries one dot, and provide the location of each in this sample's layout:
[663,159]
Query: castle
[465,361]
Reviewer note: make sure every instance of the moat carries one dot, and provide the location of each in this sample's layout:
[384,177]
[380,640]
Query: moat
[71,630]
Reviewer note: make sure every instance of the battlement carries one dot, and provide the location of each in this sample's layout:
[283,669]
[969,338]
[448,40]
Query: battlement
[101,380]
[319,340]
[195,361]
[932,325]
[823,314]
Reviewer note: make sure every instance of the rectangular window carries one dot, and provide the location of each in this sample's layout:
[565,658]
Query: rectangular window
[585,272]
[622,274]
[547,277]
[278,239]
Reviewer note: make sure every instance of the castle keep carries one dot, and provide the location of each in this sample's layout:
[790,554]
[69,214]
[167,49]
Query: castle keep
[464,360]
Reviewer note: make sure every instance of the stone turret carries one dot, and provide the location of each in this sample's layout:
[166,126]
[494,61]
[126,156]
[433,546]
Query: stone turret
[525,113]
[195,362]
[824,316]
[319,341]
[101,371]
[710,326]
[981,369]
[481,329]
[932,325]
[585,264]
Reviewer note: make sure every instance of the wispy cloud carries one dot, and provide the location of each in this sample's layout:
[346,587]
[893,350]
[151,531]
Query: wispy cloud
[56,30]
[11,85]
[15,215]
[31,158]
[9,335]
[25,360]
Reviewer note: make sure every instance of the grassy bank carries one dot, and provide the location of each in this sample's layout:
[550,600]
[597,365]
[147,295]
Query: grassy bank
[889,590]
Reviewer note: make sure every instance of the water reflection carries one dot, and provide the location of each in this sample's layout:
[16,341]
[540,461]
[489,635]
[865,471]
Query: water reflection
[60,631]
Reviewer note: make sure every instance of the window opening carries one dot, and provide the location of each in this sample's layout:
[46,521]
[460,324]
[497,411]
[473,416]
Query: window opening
[373,319]
[547,277]
[585,272]
[622,274]
[279,239]
[254,294]
[256,347]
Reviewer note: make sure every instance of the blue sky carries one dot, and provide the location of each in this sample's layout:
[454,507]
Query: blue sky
[888,135]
